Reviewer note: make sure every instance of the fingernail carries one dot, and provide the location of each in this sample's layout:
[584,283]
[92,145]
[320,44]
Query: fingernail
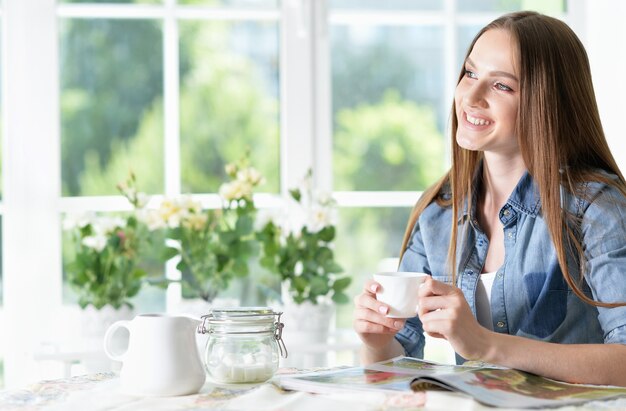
[397,324]
[382,309]
[373,288]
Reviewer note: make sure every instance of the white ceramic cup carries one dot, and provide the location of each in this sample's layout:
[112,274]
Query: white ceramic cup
[398,290]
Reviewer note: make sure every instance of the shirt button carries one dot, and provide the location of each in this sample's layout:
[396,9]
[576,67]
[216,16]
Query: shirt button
[500,324]
[510,234]
[499,275]
[470,272]
[506,212]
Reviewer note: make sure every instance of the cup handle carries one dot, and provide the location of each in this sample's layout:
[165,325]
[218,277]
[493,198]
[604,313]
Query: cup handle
[109,335]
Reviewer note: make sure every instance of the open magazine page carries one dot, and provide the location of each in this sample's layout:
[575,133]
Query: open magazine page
[501,387]
[392,375]
[491,385]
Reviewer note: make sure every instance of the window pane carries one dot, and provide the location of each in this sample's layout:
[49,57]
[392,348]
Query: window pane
[111,104]
[252,4]
[365,236]
[389,107]
[228,101]
[544,6]
[150,298]
[387,5]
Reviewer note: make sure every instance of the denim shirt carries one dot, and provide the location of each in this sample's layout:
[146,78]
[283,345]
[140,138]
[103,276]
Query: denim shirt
[529,296]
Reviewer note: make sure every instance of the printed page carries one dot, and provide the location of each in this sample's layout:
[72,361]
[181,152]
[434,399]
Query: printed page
[512,388]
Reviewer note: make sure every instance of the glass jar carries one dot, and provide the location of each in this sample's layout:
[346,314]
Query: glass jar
[244,344]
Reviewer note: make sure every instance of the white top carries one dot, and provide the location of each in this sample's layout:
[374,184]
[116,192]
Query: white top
[483,300]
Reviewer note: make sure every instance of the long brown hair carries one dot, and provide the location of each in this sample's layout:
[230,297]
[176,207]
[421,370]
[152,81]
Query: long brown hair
[558,131]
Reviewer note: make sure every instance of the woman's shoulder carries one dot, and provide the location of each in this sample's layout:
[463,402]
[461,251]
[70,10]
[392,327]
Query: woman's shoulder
[601,191]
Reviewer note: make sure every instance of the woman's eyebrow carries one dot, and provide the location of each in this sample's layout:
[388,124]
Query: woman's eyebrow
[496,73]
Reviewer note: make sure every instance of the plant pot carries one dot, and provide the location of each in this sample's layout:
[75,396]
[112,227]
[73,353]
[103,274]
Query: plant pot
[306,331]
[196,308]
[93,325]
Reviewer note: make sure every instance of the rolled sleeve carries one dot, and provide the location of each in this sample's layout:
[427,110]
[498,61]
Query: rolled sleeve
[604,236]
[411,337]
[414,258]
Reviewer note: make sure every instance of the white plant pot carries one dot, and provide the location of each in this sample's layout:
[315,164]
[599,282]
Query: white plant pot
[93,325]
[306,331]
[196,308]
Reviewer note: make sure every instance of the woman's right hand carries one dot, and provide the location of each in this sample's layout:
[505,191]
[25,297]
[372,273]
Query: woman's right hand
[370,320]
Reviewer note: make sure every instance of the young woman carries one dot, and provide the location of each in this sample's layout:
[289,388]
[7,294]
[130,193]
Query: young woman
[531,216]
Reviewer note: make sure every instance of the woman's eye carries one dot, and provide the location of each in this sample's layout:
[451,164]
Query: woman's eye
[503,87]
[470,73]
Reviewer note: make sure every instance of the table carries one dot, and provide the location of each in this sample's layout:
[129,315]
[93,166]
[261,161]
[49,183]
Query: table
[101,392]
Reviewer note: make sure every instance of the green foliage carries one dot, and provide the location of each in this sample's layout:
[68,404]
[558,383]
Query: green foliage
[392,145]
[214,246]
[304,259]
[224,106]
[111,72]
[104,270]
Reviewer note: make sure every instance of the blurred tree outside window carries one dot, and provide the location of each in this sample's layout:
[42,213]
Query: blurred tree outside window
[111,96]
[228,101]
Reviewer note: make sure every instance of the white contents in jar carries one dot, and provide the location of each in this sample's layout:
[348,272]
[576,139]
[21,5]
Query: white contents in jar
[246,368]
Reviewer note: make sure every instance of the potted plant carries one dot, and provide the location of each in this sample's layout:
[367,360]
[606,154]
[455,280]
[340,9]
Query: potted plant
[104,270]
[212,246]
[297,245]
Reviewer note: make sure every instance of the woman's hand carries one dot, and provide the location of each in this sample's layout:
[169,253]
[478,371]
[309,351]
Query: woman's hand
[444,313]
[370,321]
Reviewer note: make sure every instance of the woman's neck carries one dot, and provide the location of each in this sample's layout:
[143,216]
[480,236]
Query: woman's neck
[500,176]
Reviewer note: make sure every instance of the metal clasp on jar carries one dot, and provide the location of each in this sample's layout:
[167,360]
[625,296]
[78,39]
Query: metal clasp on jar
[278,334]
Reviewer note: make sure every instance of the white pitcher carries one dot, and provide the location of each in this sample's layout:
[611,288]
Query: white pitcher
[161,359]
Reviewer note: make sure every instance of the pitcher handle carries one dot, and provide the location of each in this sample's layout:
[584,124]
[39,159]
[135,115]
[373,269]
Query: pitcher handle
[109,335]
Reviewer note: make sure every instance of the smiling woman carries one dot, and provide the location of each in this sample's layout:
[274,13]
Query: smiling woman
[525,129]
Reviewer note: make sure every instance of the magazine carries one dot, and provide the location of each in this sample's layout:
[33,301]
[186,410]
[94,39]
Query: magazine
[487,384]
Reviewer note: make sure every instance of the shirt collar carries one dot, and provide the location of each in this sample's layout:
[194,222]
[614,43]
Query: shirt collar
[524,198]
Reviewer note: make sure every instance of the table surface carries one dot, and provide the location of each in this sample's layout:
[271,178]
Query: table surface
[102,392]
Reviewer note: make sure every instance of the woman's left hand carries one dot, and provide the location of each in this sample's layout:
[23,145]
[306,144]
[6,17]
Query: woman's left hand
[444,313]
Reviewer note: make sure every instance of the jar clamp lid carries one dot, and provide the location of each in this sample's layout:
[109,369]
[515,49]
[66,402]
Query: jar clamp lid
[244,320]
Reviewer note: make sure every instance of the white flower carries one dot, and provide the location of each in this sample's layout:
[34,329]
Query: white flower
[151,218]
[319,217]
[96,242]
[170,213]
[268,215]
[298,268]
[294,220]
[236,190]
[195,221]
[73,221]
[189,206]
[323,198]
[142,199]
[251,176]
[105,225]
[231,169]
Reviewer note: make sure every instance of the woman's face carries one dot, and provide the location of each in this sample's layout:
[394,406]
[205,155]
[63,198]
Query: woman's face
[487,97]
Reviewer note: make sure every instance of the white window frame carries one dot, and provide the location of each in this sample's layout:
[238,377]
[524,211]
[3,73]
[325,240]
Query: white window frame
[32,204]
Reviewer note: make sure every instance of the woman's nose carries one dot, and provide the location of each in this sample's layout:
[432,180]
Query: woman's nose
[475,95]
